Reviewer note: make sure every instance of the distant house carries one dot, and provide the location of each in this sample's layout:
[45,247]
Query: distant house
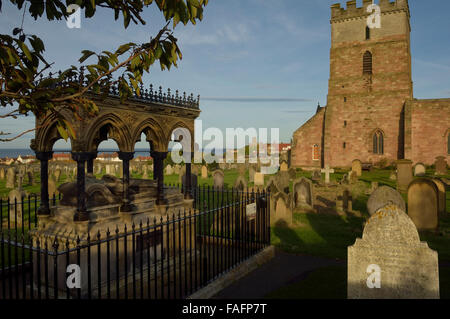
[61,157]
[108,157]
[143,158]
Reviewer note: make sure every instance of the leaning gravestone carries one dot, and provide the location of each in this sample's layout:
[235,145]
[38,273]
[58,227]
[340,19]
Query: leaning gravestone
[390,262]
[404,175]
[419,169]
[10,178]
[218,178]
[383,196]
[303,193]
[423,204]
[441,165]
[357,167]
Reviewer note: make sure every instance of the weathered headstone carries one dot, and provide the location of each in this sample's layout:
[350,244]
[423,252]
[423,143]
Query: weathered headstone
[357,167]
[284,166]
[168,170]
[2,173]
[327,172]
[258,179]
[204,172]
[280,211]
[419,170]
[390,262]
[352,177]
[16,197]
[440,165]
[423,204]
[52,190]
[30,177]
[240,183]
[194,181]
[316,175]
[303,196]
[10,178]
[218,178]
[282,179]
[383,196]
[404,175]
[251,173]
[57,174]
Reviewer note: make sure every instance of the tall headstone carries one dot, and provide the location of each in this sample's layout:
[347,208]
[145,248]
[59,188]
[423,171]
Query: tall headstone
[440,165]
[10,178]
[423,204]
[2,173]
[204,172]
[383,196]
[258,179]
[240,183]
[303,195]
[419,170]
[404,175]
[390,262]
[357,167]
[16,197]
[52,190]
[280,210]
[30,177]
[218,178]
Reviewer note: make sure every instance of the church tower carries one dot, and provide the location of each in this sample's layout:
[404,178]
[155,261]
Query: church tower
[370,81]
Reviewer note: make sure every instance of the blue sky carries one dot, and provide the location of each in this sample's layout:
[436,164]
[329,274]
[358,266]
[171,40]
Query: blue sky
[255,63]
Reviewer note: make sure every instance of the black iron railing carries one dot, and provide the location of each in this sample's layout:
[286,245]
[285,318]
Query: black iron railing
[165,258]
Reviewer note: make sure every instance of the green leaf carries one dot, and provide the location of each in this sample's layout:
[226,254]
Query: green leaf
[86,55]
[62,132]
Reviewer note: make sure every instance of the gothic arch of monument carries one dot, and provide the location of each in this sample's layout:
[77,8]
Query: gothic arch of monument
[153,113]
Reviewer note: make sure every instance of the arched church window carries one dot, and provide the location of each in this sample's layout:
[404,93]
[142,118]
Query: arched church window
[315,152]
[367,33]
[378,143]
[367,63]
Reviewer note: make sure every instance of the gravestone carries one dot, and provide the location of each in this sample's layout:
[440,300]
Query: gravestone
[282,179]
[57,174]
[357,167]
[347,200]
[177,169]
[284,166]
[16,197]
[303,195]
[419,170]
[327,172]
[240,183]
[242,169]
[390,262]
[168,170]
[204,172]
[404,175]
[145,174]
[2,173]
[383,196]
[10,178]
[352,177]
[316,175]
[423,204]
[218,178]
[442,209]
[251,173]
[373,186]
[30,177]
[258,179]
[280,211]
[440,165]
[52,190]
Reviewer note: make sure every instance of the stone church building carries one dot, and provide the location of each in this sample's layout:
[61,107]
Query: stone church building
[371,113]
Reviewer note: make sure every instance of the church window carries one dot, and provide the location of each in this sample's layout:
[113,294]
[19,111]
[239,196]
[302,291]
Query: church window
[367,33]
[315,155]
[378,143]
[367,63]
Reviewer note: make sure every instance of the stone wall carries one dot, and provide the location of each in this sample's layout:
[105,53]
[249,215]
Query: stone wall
[427,125]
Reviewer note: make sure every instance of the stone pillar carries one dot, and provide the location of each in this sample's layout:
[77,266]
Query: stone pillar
[44,157]
[81,158]
[90,162]
[158,174]
[126,157]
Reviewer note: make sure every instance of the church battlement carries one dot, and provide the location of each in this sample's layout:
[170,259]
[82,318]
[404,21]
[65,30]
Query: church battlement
[352,11]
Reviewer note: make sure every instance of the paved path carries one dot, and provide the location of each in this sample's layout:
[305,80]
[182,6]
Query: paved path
[282,270]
